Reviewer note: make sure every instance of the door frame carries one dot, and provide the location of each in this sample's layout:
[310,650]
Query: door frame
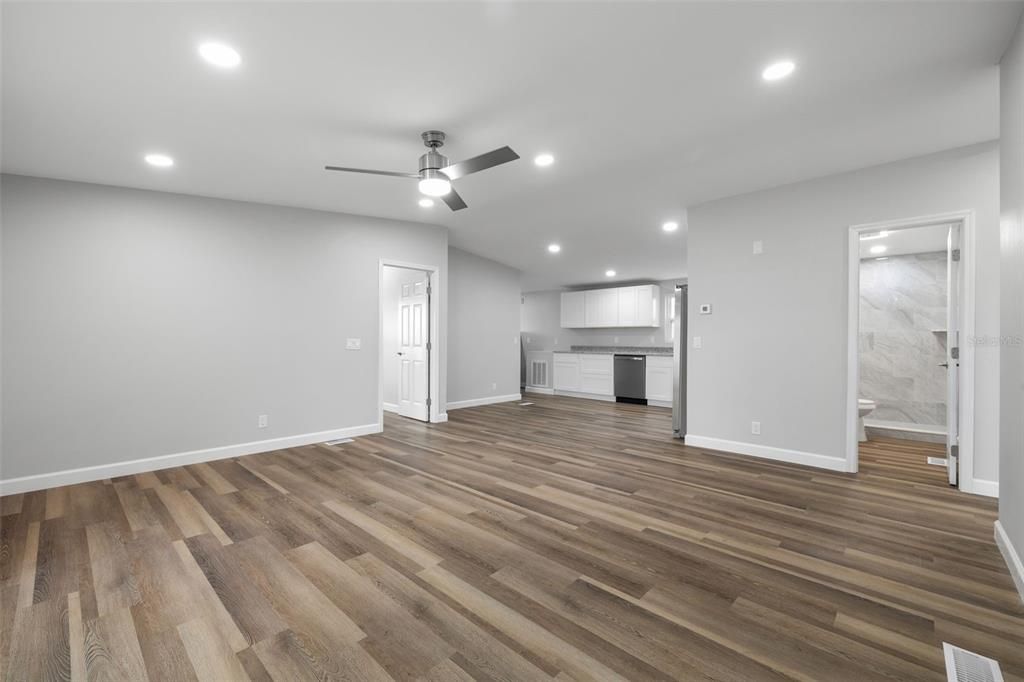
[967,305]
[433,314]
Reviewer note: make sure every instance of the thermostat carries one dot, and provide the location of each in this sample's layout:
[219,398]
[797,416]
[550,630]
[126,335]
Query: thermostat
[705,308]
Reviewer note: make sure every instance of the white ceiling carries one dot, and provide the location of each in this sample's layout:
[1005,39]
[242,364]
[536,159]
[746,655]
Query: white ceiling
[649,108]
[903,242]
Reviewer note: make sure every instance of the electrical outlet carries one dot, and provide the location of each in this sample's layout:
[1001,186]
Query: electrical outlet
[353,344]
[262,421]
[758,247]
[755,428]
[698,342]
[494,386]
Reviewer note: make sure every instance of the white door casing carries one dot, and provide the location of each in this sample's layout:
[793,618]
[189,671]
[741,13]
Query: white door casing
[953,354]
[414,335]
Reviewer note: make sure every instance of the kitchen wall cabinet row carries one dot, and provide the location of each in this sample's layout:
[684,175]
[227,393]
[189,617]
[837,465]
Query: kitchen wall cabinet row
[634,306]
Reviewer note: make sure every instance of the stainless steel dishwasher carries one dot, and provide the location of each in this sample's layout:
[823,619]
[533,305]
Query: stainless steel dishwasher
[631,379]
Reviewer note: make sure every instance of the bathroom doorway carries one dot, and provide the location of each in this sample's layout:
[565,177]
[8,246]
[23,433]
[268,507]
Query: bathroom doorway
[908,366]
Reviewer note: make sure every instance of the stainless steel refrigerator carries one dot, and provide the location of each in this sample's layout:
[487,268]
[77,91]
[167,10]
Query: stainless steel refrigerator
[679,369]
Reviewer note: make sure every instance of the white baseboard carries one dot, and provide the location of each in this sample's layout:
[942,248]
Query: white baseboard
[441,418]
[26,484]
[390,407]
[912,427]
[980,486]
[490,400]
[768,452]
[588,396]
[1012,558]
[540,389]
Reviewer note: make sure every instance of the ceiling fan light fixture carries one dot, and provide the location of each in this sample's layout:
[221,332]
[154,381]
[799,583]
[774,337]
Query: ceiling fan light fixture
[434,183]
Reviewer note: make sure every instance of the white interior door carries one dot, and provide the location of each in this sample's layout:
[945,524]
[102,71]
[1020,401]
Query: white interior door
[952,363]
[413,344]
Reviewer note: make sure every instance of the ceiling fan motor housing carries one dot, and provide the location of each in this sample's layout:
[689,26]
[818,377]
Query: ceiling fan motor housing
[433,160]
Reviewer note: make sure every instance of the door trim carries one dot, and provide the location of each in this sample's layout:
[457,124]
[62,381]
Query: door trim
[967,305]
[433,371]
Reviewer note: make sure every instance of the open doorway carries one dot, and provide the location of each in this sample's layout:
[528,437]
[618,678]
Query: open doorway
[408,331]
[909,399]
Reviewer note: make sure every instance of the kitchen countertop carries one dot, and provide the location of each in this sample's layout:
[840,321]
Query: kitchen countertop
[620,350]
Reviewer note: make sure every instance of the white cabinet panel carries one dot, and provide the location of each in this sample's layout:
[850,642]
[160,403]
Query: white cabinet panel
[629,306]
[601,307]
[567,372]
[573,309]
[659,378]
[598,384]
[596,364]
[648,301]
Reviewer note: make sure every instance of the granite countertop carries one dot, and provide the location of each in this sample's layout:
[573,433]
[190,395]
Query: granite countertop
[620,350]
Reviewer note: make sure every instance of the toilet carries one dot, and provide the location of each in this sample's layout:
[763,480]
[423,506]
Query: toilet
[864,408]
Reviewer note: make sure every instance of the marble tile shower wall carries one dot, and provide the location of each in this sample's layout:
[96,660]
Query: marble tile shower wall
[902,305]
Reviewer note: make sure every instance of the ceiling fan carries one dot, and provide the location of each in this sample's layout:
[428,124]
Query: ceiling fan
[436,173]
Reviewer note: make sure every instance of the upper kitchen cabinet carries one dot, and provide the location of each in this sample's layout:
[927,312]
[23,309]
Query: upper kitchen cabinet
[601,308]
[635,306]
[573,309]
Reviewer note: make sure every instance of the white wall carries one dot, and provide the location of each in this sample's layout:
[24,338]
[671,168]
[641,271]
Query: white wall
[774,350]
[1011,462]
[483,329]
[394,278]
[139,324]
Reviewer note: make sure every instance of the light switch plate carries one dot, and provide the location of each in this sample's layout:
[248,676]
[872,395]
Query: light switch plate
[758,247]
[698,342]
[353,344]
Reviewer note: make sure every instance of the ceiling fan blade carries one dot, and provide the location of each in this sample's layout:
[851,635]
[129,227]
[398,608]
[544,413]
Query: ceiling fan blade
[479,163]
[454,201]
[373,172]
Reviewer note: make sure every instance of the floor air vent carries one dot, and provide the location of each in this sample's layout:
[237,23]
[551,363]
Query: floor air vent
[340,441]
[966,666]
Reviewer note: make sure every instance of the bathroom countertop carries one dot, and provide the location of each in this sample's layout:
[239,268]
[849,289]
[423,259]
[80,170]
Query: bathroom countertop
[620,350]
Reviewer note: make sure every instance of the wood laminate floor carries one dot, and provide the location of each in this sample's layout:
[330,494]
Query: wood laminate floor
[571,539]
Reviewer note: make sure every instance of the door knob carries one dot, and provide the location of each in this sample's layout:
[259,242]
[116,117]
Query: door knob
[399,353]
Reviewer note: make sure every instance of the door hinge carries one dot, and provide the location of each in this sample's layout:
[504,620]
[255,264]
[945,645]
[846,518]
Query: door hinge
[954,452]
[429,289]
[956,255]
[428,345]
[954,352]
[428,402]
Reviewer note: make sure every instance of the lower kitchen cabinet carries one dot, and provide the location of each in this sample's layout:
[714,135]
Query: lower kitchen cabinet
[588,373]
[659,378]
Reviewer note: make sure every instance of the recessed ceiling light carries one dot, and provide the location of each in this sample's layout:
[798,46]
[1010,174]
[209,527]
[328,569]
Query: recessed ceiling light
[878,249]
[609,273]
[426,203]
[778,70]
[554,248]
[670,226]
[544,160]
[220,55]
[159,160]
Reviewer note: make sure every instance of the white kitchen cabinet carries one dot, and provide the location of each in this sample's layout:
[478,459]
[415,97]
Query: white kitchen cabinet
[567,372]
[593,374]
[635,306]
[648,302]
[659,378]
[601,308]
[629,306]
[597,374]
[573,309]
